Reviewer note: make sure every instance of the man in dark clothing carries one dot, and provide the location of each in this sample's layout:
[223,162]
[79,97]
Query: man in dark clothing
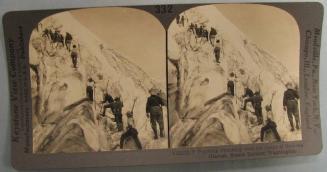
[154,111]
[182,20]
[68,40]
[212,36]
[116,108]
[131,132]
[177,18]
[247,93]
[270,125]
[199,31]
[46,33]
[107,99]
[205,34]
[291,105]
[256,99]
[89,89]
[230,84]
[216,51]
[74,56]
[191,28]
[59,39]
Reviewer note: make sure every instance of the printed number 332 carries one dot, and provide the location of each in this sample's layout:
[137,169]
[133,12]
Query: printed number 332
[163,9]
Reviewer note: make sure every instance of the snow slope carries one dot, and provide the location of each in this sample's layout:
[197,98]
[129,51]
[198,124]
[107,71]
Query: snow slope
[195,78]
[63,121]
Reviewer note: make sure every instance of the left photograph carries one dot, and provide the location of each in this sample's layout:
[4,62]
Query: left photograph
[98,81]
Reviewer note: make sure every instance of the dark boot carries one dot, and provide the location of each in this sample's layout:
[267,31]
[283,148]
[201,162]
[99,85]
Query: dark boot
[292,125]
[155,136]
[155,132]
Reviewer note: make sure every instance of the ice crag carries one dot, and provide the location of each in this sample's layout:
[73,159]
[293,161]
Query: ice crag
[195,79]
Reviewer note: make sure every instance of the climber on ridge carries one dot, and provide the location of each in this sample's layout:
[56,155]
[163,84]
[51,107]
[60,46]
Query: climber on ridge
[154,112]
[68,40]
[257,100]
[182,20]
[74,56]
[177,18]
[230,84]
[116,108]
[248,93]
[58,38]
[290,105]
[107,100]
[212,35]
[90,88]
[191,28]
[216,51]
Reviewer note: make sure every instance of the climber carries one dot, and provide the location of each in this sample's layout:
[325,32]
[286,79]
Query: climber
[107,100]
[130,132]
[90,88]
[52,37]
[177,18]
[68,40]
[58,38]
[116,108]
[154,112]
[74,56]
[205,34]
[191,28]
[247,93]
[290,105]
[46,33]
[182,20]
[257,100]
[212,35]
[230,83]
[216,51]
[270,125]
[198,31]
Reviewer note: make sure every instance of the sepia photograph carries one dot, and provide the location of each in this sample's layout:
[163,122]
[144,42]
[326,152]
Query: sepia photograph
[98,81]
[233,76]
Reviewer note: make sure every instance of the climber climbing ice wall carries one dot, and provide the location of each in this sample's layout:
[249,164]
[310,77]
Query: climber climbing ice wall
[88,69]
[233,76]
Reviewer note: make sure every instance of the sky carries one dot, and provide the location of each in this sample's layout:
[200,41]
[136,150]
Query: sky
[135,34]
[271,28]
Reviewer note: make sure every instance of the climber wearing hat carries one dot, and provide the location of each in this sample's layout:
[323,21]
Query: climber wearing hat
[130,132]
[290,105]
[116,108]
[89,89]
[270,125]
[154,112]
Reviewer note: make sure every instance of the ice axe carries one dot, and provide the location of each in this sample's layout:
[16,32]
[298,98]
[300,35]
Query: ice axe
[134,101]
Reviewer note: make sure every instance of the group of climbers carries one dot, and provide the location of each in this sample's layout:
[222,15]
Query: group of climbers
[290,105]
[201,32]
[153,110]
[57,38]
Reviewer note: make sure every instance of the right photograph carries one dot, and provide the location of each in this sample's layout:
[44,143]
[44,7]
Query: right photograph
[233,76]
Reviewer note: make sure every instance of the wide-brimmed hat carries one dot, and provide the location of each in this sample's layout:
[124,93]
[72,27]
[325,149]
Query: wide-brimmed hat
[289,85]
[154,91]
